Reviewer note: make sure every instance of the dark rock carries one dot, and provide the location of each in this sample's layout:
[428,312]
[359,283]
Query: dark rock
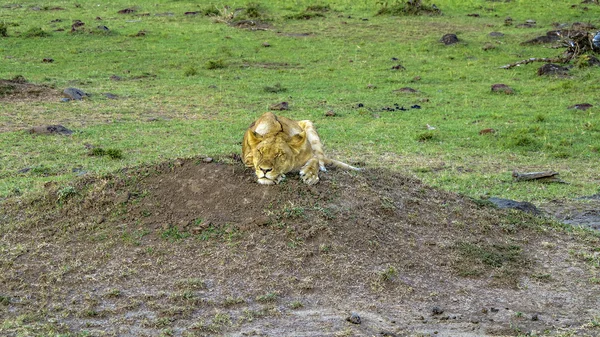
[51,129]
[552,69]
[494,309]
[48,60]
[449,39]
[115,78]
[502,88]
[126,11]
[280,106]
[535,317]
[103,28]
[111,96]
[581,106]
[416,106]
[496,34]
[354,318]
[64,100]
[548,38]
[518,205]
[437,311]
[75,94]
[398,67]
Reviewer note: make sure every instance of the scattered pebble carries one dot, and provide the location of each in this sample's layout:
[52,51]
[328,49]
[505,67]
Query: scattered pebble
[449,39]
[437,310]
[354,318]
[48,60]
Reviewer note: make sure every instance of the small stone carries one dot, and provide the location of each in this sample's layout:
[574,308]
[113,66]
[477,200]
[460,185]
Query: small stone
[502,88]
[354,318]
[494,309]
[48,60]
[449,39]
[330,113]
[207,160]
[416,106]
[535,317]
[103,28]
[266,44]
[115,78]
[437,311]
[496,34]
[64,99]
[281,106]
[552,69]
[398,67]
[75,94]
[111,96]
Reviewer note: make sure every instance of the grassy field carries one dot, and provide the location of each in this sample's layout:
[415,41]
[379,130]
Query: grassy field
[191,84]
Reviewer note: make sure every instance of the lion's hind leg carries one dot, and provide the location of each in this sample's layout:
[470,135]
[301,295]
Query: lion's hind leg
[315,142]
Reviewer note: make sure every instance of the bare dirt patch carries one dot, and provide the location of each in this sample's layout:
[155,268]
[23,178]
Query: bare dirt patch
[189,248]
[19,89]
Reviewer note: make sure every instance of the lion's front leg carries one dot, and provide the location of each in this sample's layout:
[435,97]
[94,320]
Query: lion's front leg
[310,172]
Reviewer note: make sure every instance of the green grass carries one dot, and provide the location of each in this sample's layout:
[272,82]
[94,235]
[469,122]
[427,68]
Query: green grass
[192,84]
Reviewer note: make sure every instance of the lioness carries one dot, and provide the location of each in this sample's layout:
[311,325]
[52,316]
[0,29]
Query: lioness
[275,145]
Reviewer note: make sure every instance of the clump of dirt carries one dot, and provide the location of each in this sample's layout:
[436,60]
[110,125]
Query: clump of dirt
[195,247]
[19,89]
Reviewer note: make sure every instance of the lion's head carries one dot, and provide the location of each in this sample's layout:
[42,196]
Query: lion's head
[274,155]
[274,146]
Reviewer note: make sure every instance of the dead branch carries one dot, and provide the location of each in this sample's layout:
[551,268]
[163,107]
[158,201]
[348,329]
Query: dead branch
[547,176]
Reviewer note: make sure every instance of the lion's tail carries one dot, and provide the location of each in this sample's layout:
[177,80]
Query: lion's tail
[339,164]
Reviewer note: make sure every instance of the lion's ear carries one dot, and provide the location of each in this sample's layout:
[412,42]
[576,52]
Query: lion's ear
[253,138]
[297,140]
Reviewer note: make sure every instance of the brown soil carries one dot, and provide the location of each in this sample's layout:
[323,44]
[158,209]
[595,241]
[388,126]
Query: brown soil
[19,89]
[190,248]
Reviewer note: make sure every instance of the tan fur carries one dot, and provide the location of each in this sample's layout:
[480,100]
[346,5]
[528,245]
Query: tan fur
[275,145]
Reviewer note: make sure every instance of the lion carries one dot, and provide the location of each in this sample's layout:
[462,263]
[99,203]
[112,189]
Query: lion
[275,145]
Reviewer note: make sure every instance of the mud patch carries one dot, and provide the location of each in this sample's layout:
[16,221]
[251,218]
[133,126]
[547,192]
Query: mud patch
[581,212]
[195,248]
[19,89]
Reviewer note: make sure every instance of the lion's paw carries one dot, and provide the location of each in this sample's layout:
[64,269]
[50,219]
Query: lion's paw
[309,177]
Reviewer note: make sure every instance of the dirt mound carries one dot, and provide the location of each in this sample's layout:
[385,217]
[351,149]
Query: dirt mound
[189,248]
[19,89]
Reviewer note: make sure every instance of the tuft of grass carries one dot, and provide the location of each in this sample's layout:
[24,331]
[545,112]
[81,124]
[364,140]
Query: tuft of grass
[215,64]
[35,32]
[269,297]
[173,234]
[66,193]
[3,29]
[388,274]
[427,136]
[111,153]
[411,7]
[190,71]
